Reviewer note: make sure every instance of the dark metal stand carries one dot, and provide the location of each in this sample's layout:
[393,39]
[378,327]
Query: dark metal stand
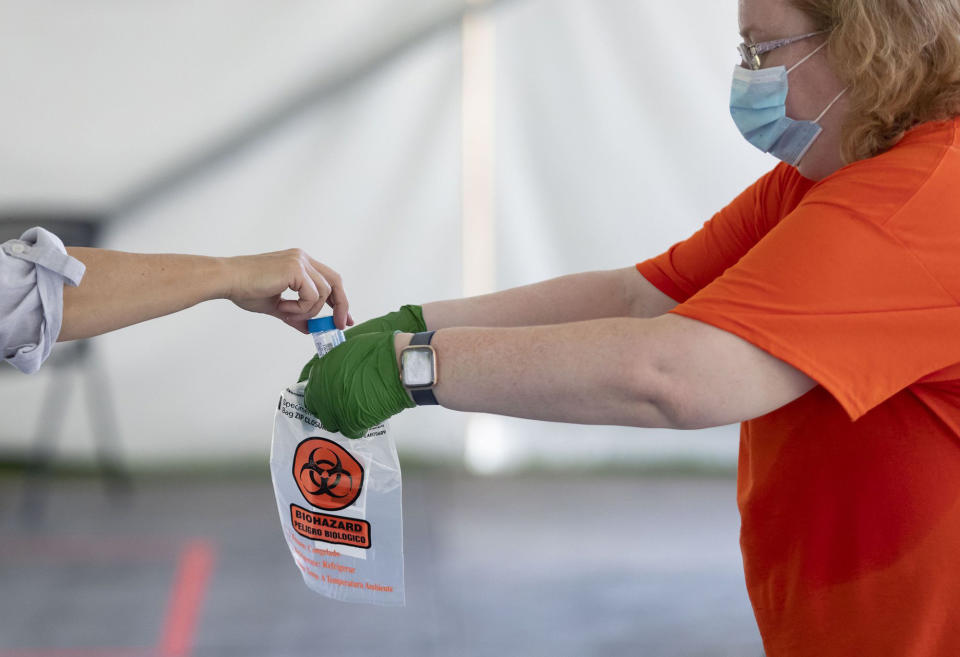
[74,358]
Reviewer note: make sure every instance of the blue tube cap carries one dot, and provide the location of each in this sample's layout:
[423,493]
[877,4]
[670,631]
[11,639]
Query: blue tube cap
[321,324]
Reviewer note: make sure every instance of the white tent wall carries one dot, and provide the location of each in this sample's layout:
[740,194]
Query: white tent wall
[612,141]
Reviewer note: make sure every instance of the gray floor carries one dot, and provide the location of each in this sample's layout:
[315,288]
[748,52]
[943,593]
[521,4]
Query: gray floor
[547,565]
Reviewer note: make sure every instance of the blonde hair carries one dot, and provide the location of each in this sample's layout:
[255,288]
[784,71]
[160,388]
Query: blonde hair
[901,61]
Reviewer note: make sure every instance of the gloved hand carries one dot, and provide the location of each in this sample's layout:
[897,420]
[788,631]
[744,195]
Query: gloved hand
[408,319]
[357,385]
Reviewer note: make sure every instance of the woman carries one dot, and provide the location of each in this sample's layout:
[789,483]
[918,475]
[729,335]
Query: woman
[820,308]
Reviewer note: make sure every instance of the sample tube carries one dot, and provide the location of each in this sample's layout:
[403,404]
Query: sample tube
[325,334]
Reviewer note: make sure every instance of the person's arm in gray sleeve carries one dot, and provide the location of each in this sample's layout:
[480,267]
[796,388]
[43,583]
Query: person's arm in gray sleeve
[33,270]
[119,289]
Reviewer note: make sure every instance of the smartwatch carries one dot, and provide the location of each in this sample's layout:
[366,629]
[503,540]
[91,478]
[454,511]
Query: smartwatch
[418,369]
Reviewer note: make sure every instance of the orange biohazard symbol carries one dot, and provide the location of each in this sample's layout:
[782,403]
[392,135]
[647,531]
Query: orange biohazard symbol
[327,474]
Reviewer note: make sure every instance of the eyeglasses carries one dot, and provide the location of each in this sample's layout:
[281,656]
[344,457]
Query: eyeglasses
[750,52]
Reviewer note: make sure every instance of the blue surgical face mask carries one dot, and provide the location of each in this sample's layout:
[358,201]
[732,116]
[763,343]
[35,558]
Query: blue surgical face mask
[758,107]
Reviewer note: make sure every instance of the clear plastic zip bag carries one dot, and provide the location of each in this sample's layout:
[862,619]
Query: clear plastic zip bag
[340,504]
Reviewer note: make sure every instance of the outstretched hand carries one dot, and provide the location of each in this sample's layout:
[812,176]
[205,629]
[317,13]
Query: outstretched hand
[258,281]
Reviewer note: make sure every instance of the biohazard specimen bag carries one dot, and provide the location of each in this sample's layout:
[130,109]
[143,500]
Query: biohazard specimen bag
[340,505]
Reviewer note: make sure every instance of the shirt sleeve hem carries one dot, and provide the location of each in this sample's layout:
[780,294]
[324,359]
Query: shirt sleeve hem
[854,407]
[51,267]
[661,281]
[29,358]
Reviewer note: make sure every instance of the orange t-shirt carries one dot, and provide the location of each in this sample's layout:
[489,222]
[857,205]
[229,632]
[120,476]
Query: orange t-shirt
[850,495]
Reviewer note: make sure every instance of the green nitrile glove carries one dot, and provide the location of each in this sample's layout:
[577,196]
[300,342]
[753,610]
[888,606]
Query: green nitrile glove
[408,319]
[357,385]
[305,372]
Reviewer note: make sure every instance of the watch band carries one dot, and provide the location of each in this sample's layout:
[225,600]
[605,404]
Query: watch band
[423,396]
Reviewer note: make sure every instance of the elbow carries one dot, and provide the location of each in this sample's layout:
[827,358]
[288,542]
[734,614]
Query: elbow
[663,401]
[679,417]
[668,390]
[673,413]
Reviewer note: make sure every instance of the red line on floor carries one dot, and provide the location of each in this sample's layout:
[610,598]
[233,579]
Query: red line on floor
[186,599]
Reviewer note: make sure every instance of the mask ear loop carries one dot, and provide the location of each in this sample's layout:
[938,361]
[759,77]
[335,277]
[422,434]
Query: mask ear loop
[809,55]
[827,108]
[836,98]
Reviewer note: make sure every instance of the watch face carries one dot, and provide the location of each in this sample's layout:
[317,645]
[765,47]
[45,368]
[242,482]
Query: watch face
[417,367]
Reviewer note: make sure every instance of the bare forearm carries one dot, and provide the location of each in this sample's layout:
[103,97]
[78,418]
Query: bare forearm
[577,297]
[120,289]
[597,372]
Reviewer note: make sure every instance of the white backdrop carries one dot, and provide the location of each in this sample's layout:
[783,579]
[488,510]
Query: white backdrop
[612,141]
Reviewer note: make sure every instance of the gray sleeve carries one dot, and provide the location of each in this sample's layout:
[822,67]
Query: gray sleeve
[33,270]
